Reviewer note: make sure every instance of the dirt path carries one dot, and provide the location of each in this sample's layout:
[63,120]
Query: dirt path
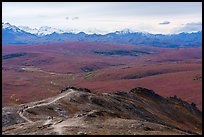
[25,118]
[43,104]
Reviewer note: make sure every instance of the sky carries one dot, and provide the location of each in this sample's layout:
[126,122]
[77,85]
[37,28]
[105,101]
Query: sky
[105,17]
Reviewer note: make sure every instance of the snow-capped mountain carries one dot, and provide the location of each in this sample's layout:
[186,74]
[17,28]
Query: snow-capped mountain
[45,30]
[124,31]
[28,29]
[22,34]
[42,31]
[8,26]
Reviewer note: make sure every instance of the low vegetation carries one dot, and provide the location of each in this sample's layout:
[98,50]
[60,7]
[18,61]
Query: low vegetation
[122,52]
[14,55]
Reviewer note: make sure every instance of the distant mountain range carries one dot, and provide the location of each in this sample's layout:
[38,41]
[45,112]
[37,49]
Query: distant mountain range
[12,34]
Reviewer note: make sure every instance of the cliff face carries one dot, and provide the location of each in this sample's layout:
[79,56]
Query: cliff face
[81,111]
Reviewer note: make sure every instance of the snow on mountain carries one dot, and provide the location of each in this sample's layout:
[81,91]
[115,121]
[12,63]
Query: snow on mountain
[42,31]
[10,27]
[45,30]
[28,29]
[124,31]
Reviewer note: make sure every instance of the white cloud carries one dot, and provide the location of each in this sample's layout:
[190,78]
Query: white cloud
[189,27]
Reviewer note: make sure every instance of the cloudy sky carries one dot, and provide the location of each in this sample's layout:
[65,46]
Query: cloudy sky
[104,17]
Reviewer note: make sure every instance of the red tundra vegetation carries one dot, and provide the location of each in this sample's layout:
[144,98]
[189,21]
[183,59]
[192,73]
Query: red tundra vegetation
[34,72]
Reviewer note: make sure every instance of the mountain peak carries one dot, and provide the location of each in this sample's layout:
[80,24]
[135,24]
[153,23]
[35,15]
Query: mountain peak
[10,27]
[44,30]
[124,31]
[6,25]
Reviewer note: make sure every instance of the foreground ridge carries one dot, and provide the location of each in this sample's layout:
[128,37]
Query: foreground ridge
[81,111]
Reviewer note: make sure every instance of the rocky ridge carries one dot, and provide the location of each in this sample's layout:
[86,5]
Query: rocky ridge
[81,111]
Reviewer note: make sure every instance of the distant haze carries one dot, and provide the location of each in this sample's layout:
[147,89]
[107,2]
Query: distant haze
[105,17]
